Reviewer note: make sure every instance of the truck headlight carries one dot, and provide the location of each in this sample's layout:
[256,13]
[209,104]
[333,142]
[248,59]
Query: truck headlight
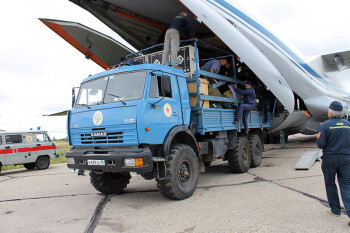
[133,162]
[70,161]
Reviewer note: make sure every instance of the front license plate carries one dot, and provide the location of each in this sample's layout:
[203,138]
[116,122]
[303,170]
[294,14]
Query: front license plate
[99,134]
[96,162]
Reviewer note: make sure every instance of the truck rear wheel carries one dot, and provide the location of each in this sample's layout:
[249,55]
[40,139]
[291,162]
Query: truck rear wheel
[256,147]
[29,166]
[182,172]
[239,158]
[42,162]
[110,182]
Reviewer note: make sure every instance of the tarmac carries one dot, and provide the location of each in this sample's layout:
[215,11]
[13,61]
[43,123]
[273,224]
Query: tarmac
[271,198]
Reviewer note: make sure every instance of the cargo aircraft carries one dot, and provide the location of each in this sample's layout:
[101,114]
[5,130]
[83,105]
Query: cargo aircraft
[303,89]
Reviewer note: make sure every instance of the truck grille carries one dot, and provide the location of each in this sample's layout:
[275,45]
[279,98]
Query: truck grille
[121,135]
[112,137]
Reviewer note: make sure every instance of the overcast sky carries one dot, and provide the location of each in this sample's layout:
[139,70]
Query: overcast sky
[38,68]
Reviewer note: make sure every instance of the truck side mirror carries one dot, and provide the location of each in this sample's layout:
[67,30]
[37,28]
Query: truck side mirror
[73,96]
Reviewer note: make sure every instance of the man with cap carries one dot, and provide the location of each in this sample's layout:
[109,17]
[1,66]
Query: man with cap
[334,140]
[248,104]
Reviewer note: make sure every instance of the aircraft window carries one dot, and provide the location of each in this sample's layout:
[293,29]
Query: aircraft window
[13,139]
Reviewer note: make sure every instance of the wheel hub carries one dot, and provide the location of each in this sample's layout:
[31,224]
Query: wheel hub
[244,154]
[184,172]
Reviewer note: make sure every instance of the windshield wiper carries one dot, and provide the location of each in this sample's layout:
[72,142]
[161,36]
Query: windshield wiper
[119,98]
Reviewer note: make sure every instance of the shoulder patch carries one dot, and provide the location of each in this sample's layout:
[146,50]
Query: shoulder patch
[319,135]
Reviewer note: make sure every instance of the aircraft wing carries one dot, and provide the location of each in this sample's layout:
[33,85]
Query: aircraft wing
[96,46]
[63,113]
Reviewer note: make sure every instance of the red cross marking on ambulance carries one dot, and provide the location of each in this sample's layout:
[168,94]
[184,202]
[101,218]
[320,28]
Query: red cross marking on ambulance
[167,109]
[14,150]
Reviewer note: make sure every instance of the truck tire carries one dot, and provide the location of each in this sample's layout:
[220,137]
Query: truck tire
[42,162]
[182,172]
[239,158]
[29,166]
[256,147]
[110,182]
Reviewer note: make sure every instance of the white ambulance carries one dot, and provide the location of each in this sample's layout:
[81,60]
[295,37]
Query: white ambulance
[33,149]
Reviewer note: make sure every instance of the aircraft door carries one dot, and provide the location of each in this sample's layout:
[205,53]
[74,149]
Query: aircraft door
[163,109]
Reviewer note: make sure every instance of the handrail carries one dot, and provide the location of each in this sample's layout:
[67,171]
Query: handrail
[198,72]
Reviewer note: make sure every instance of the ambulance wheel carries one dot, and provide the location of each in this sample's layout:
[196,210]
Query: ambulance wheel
[110,182]
[256,147]
[42,162]
[182,173]
[29,166]
[239,158]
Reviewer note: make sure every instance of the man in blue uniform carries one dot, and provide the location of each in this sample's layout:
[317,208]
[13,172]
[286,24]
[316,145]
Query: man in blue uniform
[334,140]
[177,28]
[213,66]
[248,104]
[265,100]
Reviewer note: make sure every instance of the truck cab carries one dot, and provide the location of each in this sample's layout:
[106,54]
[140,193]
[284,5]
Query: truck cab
[129,107]
[155,120]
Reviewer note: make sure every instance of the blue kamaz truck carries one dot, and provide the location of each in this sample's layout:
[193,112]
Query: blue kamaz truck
[156,121]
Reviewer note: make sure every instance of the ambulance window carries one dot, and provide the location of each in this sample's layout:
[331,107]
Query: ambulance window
[13,139]
[41,137]
[0,140]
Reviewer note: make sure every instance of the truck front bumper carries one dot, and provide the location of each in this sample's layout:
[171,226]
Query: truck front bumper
[109,160]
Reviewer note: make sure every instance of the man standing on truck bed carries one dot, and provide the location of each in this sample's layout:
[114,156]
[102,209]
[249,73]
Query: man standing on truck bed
[177,27]
[248,104]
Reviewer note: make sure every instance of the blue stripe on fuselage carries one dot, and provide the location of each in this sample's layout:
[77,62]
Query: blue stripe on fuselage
[264,31]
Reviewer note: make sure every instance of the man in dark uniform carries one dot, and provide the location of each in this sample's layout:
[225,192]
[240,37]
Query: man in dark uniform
[248,104]
[334,140]
[265,100]
[177,28]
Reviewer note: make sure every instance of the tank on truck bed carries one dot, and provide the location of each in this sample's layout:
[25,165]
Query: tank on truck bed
[160,122]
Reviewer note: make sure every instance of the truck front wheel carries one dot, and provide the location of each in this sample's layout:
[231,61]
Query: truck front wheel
[182,172]
[239,158]
[110,182]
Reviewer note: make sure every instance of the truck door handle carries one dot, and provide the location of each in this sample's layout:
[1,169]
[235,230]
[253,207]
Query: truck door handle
[38,144]
[175,114]
[7,147]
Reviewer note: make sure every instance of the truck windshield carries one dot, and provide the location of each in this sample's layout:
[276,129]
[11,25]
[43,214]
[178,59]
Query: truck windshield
[113,88]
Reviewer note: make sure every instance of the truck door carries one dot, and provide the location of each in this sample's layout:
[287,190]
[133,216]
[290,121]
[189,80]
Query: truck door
[163,108]
[14,143]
